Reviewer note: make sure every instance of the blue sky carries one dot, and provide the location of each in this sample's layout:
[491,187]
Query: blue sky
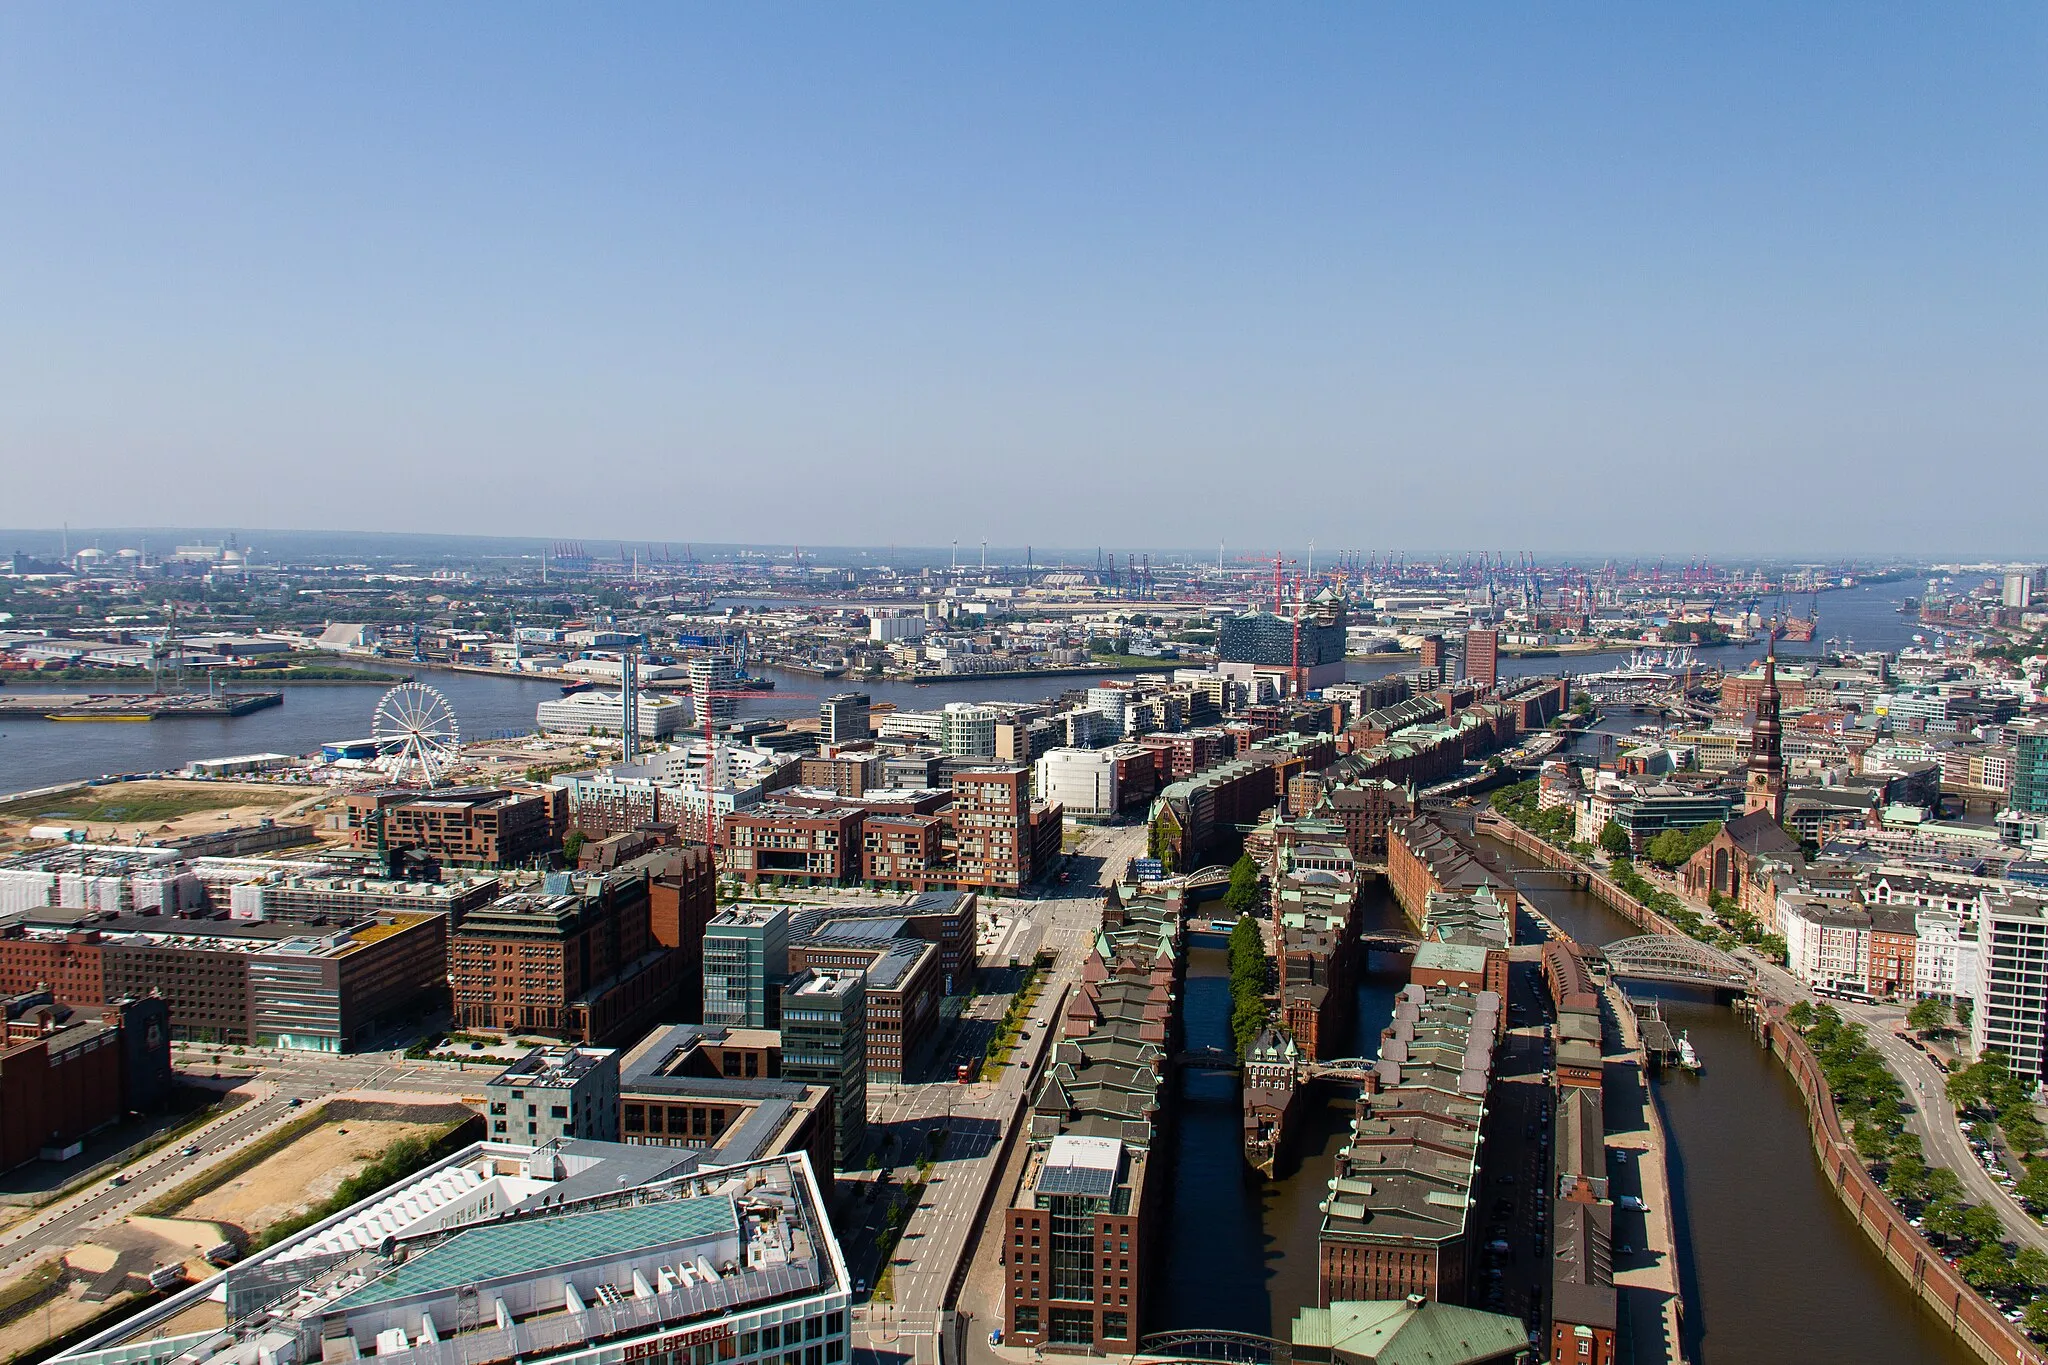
[1750,279]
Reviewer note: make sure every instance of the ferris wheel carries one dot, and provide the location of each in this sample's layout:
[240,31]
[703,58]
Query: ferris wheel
[416,735]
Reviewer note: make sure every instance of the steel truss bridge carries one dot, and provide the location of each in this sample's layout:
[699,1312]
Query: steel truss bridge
[1234,1348]
[1679,961]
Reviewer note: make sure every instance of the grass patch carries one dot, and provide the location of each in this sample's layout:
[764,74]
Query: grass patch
[112,805]
[31,1288]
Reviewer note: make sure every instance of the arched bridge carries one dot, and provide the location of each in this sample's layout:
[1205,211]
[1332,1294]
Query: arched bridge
[1207,1059]
[1206,876]
[1681,961]
[1240,1348]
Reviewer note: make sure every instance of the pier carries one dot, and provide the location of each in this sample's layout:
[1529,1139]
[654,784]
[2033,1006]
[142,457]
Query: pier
[134,706]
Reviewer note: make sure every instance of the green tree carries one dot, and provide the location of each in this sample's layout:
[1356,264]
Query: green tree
[572,846]
[1943,1183]
[2032,1187]
[2036,1317]
[2031,1264]
[1906,1178]
[1989,1269]
[1614,839]
[1982,1225]
[1242,896]
[1929,1017]
[1943,1216]
[1250,970]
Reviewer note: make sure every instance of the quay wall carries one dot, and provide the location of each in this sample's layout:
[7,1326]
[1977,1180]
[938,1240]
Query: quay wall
[1940,1287]
[1598,885]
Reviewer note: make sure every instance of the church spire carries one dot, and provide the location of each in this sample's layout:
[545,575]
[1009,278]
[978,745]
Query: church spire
[1765,788]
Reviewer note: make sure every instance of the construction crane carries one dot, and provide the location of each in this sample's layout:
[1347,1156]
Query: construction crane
[708,714]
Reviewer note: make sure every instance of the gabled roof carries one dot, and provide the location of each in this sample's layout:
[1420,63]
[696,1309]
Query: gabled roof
[1757,833]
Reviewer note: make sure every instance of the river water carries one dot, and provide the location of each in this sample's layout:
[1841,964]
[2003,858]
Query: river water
[1774,1267]
[35,753]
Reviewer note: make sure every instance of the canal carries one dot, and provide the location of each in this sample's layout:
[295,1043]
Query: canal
[1241,1250]
[1773,1266]
[1774,1269]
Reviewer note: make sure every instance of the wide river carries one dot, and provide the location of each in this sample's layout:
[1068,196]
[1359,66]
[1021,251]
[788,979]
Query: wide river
[35,753]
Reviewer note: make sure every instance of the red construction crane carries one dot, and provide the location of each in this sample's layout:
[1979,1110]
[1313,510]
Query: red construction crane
[706,713]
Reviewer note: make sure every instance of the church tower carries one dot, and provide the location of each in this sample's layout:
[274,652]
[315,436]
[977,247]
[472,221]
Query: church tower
[1765,788]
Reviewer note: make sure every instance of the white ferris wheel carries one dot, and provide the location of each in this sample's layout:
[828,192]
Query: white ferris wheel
[416,734]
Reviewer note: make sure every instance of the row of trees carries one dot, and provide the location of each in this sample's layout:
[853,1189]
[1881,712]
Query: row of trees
[1872,1104]
[1518,803]
[1987,1090]
[1736,926]
[1251,970]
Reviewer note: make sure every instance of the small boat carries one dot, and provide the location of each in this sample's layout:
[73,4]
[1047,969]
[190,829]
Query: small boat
[1688,1056]
[572,688]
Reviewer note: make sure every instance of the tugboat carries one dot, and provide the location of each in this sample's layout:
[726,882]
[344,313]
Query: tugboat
[1272,1095]
[1688,1056]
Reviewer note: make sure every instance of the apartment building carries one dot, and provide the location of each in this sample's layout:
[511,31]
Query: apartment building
[469,826]
[2011,1012]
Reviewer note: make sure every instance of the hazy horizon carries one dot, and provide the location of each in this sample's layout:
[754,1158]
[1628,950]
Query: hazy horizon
[1763,280]
[304,541]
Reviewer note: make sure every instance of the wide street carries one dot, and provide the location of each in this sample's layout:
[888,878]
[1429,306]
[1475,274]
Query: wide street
[273,1080]
[943,1227]
[1929,1116]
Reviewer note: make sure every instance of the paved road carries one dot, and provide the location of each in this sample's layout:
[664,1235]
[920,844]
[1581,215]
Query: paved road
[945,1222]
[275,1079]
[1930,1117]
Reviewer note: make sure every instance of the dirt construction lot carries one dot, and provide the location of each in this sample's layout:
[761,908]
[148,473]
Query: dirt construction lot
[301,1175]
[147,809]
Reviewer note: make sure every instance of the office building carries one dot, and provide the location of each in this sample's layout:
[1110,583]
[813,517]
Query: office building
[682,897]
[283,896]
[776,839]
[1083,781]
[574,959]
[1430,662]
[554,1093]
[66,1074]
[721,1092]
[2030,767]
[746,960]
[843,718]
[1482,659]
[900,977]
[604,713]
[570,1252]
[825,1042]
[240,983]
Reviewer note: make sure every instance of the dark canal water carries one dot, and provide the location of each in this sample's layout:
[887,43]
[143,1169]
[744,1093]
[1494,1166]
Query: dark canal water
[1241,1249]
[1774,1268]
